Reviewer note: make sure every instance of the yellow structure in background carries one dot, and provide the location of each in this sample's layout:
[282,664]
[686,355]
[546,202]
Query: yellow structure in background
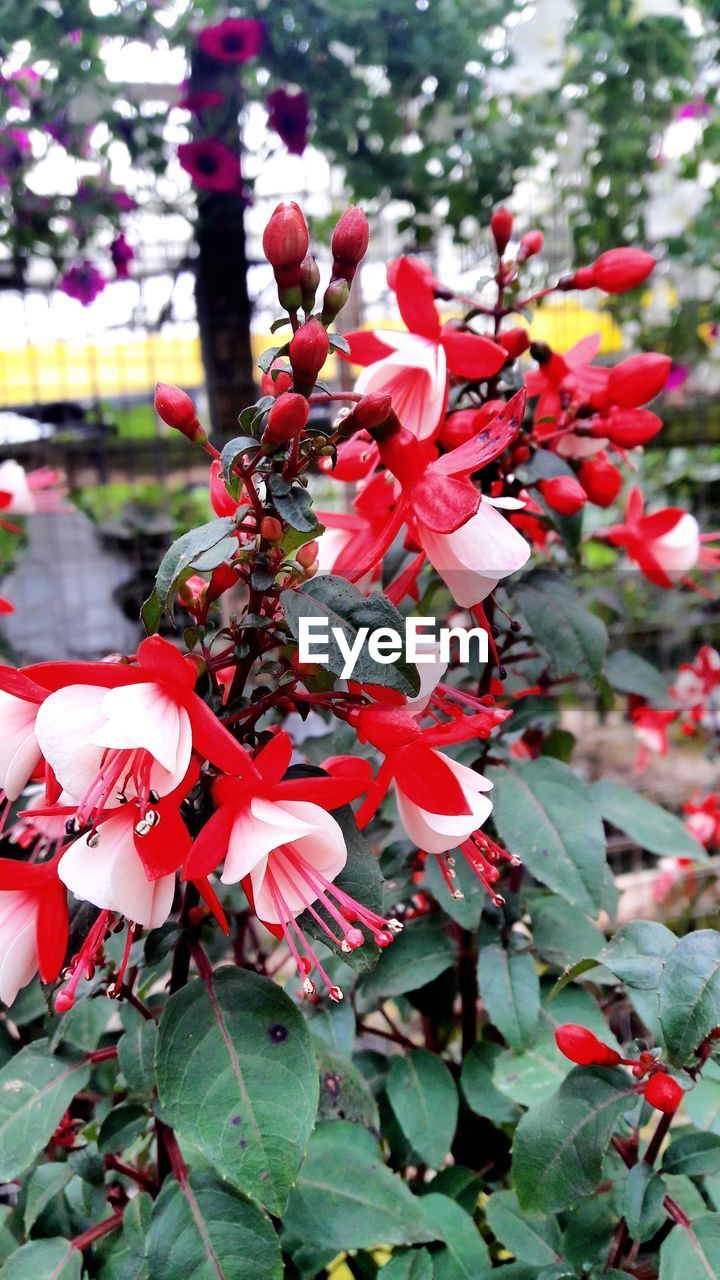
[110,369]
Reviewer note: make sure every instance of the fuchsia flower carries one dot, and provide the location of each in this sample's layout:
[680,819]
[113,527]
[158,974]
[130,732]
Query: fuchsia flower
[703,818]
[22,492]
[413,366]
[122,255]
[277,837]
[212,165]
[232,40]
[289,117]
[83,282]
[666,545]
[695,682]
[33,924]
[651,730]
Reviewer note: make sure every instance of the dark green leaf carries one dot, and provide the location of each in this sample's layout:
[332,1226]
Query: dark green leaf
[562,934]
[642,1201]
[530,1237]
[53,1259]
[693,1253]
[646,823]
[423,1095]
[411,1264]
[203,548]
[420,953]
[693,1154]
[44,1183]
[293,503]
[464,1255]
[637,953]
[124,1258]
[510,990]
[544,815]
[481,1094]
[574,639]
[241,1040]
[205,1230]
[689,994]
[35,1091]
[344,1092]
[233,450]
[629,673]
[136,1049]
[122,1126]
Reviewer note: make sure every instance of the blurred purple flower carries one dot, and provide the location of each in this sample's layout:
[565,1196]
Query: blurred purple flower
[693,110]
[197,102]
[122,255]
[15,151]
[83,282]
[233,40]
[211,164]
[289,116]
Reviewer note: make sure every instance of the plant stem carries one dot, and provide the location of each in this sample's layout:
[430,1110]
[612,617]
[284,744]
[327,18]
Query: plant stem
[658,1138]
[97,1232]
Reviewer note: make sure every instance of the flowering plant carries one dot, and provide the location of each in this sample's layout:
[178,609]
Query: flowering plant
[356,928]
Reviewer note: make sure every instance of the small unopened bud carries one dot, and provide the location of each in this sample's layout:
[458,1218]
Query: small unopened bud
[664,1093]
[600,479]
[276,380]
[64,1000]
[583,1047]
[564,494]
[582,279]
[619,270]
[334,299]
[531,243]
[369,413]
[501,225]
[285,244]
[271,529]
[309,282]
[349,243]
[287,418]
[515,341]
[308,352]
[175,408]
[307,554]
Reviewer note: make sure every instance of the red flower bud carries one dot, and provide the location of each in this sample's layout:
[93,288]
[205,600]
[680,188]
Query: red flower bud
[601,480]
[501,225]
[271,386]
[627,428]
[349,243]
[309,281]
[222,502]
[286,419]
[581,279]
[307,555]
[531,243]
[466,423]
[369,413]
[308,352]
[175,408]
[664,1093]
[582,1047]
[638,379]
[285,244]
[270,529]
[620,270]
[564,494]
[515,341]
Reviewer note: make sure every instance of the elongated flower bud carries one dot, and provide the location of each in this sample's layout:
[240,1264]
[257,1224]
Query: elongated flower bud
[583,278]
[638,379]
[564,494]
[531,243]
[664,1093]
[285,244]
[334,299]
[515,341]
[309,281]
[349,244]
[308,352]
[274,386]
[620,270]
[175,408]
[583,1047]
[628,428]
[287,418]
[501,225]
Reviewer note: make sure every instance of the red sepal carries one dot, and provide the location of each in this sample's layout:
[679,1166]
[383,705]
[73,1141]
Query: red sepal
[52,930]
[489,443]
[365,347]
[275,929]
[444,503]
[416,300]
[274,759]
[164,848]
[471,356]
[210,846]
[215,743]
[428,781]
[211,900]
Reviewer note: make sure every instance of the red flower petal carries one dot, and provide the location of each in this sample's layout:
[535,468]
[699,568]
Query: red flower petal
[471,356]
[416,300]
[365,347]
[428,781]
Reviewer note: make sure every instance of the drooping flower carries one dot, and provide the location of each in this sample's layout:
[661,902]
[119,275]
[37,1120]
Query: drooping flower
[83,282]
[702,818]
[289,117]
[212,165]
[413,366]
[276,836]
[33,924]
[665,545]
[232,40]
[651,730]
[22,492]
[122,255]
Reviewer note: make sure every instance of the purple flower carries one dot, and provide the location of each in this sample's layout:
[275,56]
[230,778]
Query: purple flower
[211,164]
[83,282]
[122,255]
[289,117]
[233,40]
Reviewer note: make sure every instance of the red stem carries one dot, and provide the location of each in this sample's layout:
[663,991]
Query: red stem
[97,1232]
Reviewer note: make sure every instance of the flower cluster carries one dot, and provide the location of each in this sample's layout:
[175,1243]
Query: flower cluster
[583,1047]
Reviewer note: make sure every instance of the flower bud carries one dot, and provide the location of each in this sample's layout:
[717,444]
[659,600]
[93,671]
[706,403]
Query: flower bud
[601,480]
[628,428]
[620,270]
[309,282]
[222,502]
[287,418]
[349,243]
[369,413]
[564,494]
[308,352]
[638,379]
[664,1093]
[582,279]
[334,299]
[501,225]
[285,244]
[175,408]
[465,424]
[531,243]
[582,1047]
[307,555]
[515,341]
[274,386]
[271,529]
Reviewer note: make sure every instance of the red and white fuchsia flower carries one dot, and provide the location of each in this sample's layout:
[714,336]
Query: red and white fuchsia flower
[33,924]
[666,545]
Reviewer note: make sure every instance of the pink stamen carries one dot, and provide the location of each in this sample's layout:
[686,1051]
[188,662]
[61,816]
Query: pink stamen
[82,964]
[287,922]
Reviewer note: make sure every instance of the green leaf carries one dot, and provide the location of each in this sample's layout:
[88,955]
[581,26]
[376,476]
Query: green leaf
[242,1042]
[203,1229]
[703,1102]
[574,639]
[343,607]
[125,1256]
[481,1094]
[53,1259]
[423,1095]
[344,1092]
[642,1201]
[689,994]
[465,1254]
[510,990]
[411,1264]
[346,1198]
[544,815]
[629,673]
[234,449]
[563,935]
[122,1126]
[636,954]
[560,1146]
[693,1253]
[693,1154]
[420,953]
[650,826]
[292,502]
[36,1090]
[203,548]
[44,1184]
[530,1237]
[136,1049]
